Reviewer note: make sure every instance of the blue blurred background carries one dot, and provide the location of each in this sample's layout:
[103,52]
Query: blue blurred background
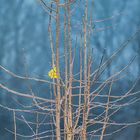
[25,48]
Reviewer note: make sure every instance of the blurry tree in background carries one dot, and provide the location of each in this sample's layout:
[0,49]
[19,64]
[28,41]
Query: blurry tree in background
[89,90]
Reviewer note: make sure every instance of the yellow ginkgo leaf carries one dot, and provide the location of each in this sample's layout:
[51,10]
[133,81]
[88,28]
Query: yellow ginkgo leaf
[52,73]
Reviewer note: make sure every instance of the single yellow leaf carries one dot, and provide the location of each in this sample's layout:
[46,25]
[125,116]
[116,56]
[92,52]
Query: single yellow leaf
[52,73]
